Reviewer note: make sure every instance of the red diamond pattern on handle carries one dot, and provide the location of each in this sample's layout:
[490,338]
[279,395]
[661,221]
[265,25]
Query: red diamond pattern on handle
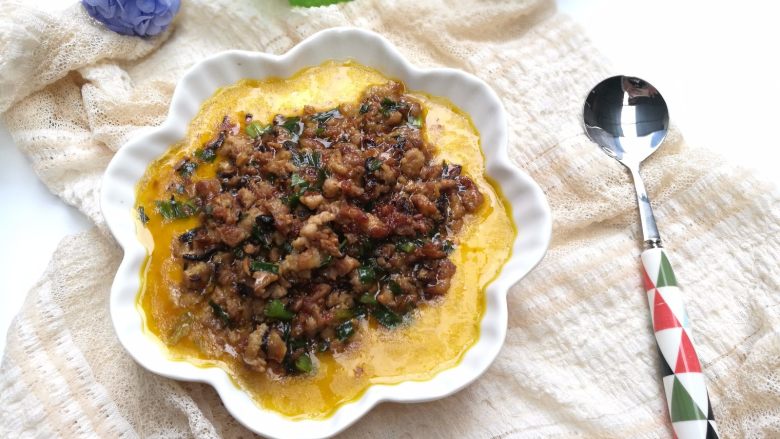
[687,360]
[649,285]
[684,387]
[663,317]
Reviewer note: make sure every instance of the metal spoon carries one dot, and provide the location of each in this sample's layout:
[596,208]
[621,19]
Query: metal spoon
[628,119]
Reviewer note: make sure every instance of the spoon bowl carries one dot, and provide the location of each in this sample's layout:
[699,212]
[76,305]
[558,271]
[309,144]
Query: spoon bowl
[626,117]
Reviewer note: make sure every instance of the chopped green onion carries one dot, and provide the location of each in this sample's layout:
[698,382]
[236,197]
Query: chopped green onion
[343,314]
[307,158]
[368,299]
[364,108]
[297,180]
[264,266]
[303,363]
[361,312]
[181,329]
[320,131]
[414,121]
[448,247]
[386,317]
[220,313]
[345,330]
[373,163]
[256,129]
[389,105]
[297,343]
[292,200]
[173,209]
[142,215]
[325,115]
[406,246]
[293,125]
[260,235]
[275,309]
[394,287]
[367,275]
[326,260]
[186,168]
[206,154]
[322,175]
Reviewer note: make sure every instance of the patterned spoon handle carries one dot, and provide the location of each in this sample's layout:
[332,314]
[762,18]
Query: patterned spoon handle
[686,392]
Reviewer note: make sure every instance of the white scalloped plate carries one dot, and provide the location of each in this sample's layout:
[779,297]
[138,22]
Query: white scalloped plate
[530,211]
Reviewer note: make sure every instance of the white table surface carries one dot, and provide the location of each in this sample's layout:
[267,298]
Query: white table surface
[715,65]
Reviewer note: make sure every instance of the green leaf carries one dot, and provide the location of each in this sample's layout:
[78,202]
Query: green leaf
[206,154]
[256,129]
[315,3]
[142,215]
[366,275]
[303,363]
[275,309]
[386,317]
[264,266]
[220,313]
[345,330]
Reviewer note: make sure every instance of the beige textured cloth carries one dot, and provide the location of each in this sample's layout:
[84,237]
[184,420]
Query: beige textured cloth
[579,359]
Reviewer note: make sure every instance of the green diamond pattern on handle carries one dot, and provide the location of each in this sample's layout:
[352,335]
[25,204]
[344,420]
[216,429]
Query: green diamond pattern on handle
[665,274]
[684,387]
[683,406]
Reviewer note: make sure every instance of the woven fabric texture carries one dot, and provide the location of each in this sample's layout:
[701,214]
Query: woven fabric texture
[579,360]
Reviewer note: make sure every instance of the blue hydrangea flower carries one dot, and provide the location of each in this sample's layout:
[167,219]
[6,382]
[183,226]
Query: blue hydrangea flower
[133,17]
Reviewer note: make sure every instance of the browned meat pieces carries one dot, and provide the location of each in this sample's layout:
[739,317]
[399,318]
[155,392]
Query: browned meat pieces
[314,222]
[197,275]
